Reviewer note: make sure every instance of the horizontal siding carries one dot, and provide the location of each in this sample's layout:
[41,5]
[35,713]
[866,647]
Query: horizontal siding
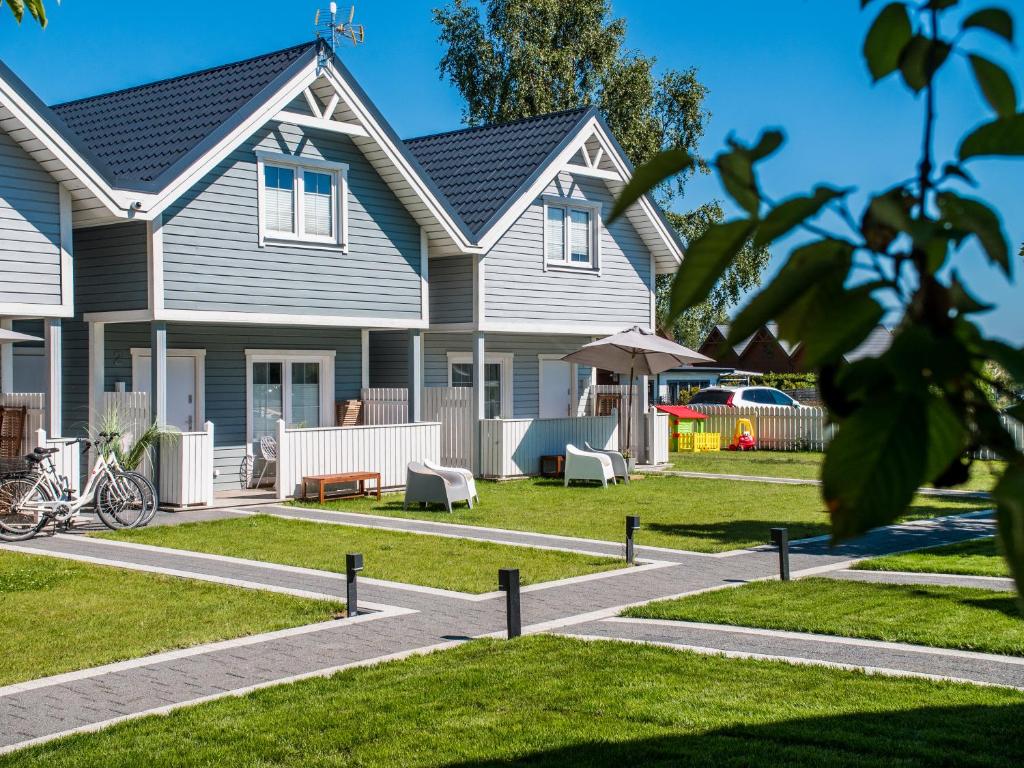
[213,261]
[518,288]
[525,349]
[451,289]
[389,359]
[30,260]
[111,270]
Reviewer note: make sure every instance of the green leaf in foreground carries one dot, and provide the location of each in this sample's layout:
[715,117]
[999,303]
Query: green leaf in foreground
[973,216]
[830,320]
[792,212]
[875,464]
[1004,137]
[649,175]
[1009,497]
[995,20]
[996,86]
[707,258]
[921,59]
[889,33]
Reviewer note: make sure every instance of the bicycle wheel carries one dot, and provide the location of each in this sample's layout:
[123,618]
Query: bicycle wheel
[121,501]
[152,502]
[20,516]
[245,471]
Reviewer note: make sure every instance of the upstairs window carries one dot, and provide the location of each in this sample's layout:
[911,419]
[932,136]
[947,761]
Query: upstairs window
[571,233]
[302,200]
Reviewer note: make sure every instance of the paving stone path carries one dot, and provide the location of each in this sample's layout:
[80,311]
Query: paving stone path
[408,619]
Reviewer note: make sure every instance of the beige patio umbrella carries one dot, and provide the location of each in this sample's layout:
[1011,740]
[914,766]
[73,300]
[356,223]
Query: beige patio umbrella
[635,351]
[10,337]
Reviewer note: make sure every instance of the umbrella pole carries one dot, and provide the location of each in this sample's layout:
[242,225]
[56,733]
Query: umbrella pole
[629,412]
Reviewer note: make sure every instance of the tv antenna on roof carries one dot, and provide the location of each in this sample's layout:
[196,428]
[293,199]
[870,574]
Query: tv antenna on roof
[334,32]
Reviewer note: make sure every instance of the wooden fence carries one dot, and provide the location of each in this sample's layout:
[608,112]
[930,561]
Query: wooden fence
[186,468]
[775,429]
[592,396]
[513,447]
[330,450]
[35,414]
[385,405]
[452,408]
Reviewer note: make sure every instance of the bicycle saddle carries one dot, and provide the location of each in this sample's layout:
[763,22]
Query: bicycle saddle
[33,458]
[45,451]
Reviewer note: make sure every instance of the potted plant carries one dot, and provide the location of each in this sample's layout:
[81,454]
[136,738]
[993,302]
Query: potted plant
[630,460]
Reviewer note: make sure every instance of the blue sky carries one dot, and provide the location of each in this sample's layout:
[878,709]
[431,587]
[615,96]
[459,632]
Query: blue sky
[789,63]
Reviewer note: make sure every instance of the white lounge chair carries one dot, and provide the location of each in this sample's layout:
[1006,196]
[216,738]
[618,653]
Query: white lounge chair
[466,474]
[427,486]
[587,465]
[619,463]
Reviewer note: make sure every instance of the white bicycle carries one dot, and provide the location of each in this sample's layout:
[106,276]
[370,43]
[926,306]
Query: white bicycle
[29,502]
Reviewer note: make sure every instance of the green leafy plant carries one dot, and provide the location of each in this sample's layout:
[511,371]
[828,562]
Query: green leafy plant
[916,413]
[34,7]
[133,451]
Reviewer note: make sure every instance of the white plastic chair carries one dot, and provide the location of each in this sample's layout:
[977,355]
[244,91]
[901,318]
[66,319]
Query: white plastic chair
[268,452]
[466,475]
[584,465]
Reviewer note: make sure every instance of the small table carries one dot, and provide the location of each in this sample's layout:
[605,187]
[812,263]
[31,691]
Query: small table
[346,477]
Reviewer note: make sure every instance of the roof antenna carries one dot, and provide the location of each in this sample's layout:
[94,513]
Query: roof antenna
[333,32]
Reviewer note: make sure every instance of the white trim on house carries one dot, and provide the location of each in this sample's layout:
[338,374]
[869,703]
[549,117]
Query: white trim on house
[67,267]
[142,356]
[252,318]
[325,358]
[596,173]
[320,123]
[424,275]
[155,262]
[504,359]
[364,359]
[569,204]
[338,173]
[34,311]
[551,329]
[479,292]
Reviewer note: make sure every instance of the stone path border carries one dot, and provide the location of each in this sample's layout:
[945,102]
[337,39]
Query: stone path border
[996,583]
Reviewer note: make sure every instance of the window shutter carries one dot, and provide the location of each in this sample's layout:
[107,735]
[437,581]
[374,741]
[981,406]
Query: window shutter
[556,234]
[579,236]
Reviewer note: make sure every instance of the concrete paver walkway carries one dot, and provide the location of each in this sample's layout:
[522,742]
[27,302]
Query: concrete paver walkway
[412,619]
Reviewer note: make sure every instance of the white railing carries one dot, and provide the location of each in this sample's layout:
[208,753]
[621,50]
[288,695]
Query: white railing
[452,407]
[385,405]
[333,450]
[130,411]
[657,437]
[775,429]
[1015,428]
[67,459]
[186,468]
[513,447]
[35,413]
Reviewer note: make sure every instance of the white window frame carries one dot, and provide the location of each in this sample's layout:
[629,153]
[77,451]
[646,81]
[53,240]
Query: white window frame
[504,359]
[325,358]
[144,356]
[299,165]
[569,204]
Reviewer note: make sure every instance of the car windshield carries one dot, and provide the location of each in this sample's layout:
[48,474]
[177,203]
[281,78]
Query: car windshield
[711,397]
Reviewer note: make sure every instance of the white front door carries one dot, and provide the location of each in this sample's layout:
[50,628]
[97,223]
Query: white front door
[555,389]
[181,388]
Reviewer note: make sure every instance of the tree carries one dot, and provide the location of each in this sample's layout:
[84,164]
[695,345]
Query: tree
[34,7]
[512,59]
[918,412]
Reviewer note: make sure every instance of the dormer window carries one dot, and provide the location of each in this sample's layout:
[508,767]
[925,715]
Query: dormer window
[302,201]
[571,233]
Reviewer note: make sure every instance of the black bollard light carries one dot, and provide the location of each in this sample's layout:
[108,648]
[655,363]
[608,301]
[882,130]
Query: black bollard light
[353,565]
[508,582]
[632,526]
[780,538]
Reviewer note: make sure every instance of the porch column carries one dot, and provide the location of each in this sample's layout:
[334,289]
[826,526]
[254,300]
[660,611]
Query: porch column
[158,372]
[479,395]
[6,361]
[415,380]
[97,363]
[53,376]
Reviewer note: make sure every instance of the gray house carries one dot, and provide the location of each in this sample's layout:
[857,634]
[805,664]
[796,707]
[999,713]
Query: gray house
[261,246]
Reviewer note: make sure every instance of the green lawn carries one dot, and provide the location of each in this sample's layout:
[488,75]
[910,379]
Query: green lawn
[684,513]
[432,561]
[803,466]
[549,702]
[945,617]
[60,615]
[971,558]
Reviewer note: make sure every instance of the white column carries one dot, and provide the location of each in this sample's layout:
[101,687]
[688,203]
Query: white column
[364,357]
[6,361]
[479,395]
[53,372]
[158,372]
[415,378]
[97,363]
[642,420]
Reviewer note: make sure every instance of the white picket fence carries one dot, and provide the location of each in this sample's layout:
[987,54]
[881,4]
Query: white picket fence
[452,408]
[35,414]
[386,449]
[67,459]
[513,447]
[1015,428]
[186,468]
[129,410]
[385,405]
[775,429]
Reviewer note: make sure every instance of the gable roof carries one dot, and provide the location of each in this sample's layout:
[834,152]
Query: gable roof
[479,169]
[139,134]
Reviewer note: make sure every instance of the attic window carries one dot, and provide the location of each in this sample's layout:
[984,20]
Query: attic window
[302,201]
[571,233]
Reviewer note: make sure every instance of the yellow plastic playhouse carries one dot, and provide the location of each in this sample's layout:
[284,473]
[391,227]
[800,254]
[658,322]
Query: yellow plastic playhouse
[686,431]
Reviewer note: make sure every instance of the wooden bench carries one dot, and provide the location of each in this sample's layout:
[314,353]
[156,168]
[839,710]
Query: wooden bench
[346,477]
